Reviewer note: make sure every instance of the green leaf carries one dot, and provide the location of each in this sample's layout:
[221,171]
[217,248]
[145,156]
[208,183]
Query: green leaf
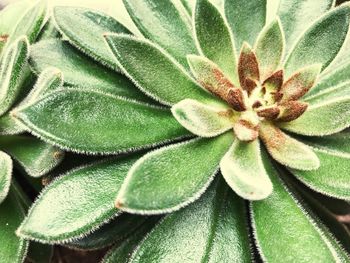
[296,16]
[200,232]
[281,215]
[246,19]
[13,248]
[77,203]
[202,120]
[321,42]
[214,38]
[287,150]
[244,171]
[164,23]
[79,71]
[11,66]
[89,121]
[154,72]
[269,48]
[72,21]
[9,125]
[5,175]
[170,178]
[322,119]
[35,156]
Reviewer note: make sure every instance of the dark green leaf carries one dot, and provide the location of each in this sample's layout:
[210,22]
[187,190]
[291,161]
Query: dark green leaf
[5,175]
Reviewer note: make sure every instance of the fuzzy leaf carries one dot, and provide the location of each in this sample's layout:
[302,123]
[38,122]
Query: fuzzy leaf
[36,157]
[202,120]
[200,232]
[321,42]
[11,66]
[214,38]
[244,171]
[296,16]
[77,203]
[248,68]
[154,72]
[88,121]
[246,19]
[13,248]
[79,71]
[287,150]
[72,23]
[269,48]
[170,178]
[303,236]
[165,24]
[322,118]
[9,125]
[5,175]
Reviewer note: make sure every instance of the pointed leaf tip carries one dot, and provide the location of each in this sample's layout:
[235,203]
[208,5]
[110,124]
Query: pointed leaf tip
[248,68]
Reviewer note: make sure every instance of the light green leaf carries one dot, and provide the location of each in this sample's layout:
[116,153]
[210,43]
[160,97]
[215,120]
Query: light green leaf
[13,248]
[79,71]
[309,241]
[244,171]
[36,157]
[11,66]
[202,120]
[321,42]
[322,119]
[287,150]
[5,175]
[246,19]
[214,38]
[88,121]
[269,48]
[154,72]
[165,24]
[9,125]
[296,16]
[72,23]
[77,203]
[200,232]
[170,178]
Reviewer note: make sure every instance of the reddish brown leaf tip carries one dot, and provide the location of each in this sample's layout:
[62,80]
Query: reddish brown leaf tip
[291,110]
[235,98]
[269,113]
[248,68]
[118,204]
[246,131]
[275,81]
[3,38]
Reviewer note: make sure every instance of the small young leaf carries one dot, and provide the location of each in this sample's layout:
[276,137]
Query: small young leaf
[322,119]
[72,21]
[248,68]
[154,71]
[79,71]
[321,42]
[165,24]
[89,121]
[200,232]
[244,171]
[77,203]
[203,120]
[5,175]
[269,48]
[170,178]
[287,150]
[214,38]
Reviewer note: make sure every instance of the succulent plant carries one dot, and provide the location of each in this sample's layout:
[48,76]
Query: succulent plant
[225,122]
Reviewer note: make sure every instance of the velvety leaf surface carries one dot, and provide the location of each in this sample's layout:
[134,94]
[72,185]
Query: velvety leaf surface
[8,125]
[322,118]
[79,71]
[154,72]
[214,38]
[88,121]
[246,19]
[296,16]
[321,42]
[200,232]
[244,171]
[72,22]
[165,24]
[77,203]
[35,156]
[5,175]
[171,177]
[302,236]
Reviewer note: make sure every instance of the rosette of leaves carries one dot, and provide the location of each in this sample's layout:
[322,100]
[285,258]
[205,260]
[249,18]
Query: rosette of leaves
[225,116]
